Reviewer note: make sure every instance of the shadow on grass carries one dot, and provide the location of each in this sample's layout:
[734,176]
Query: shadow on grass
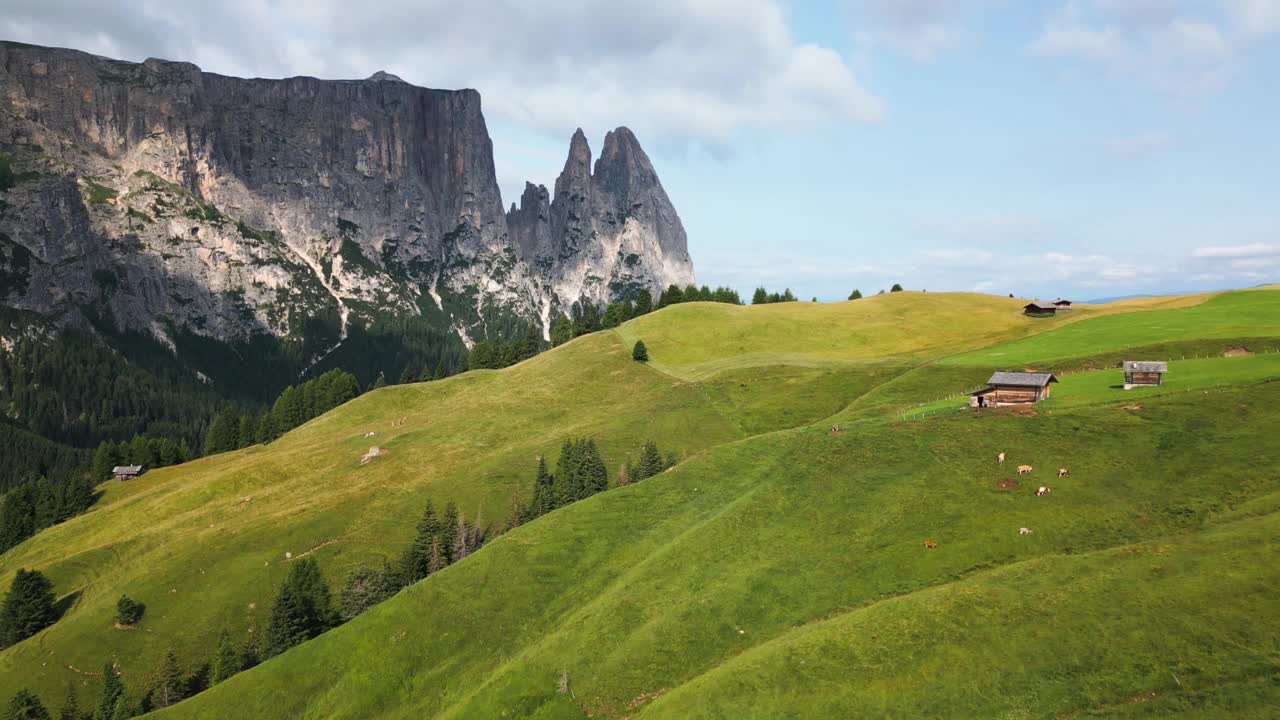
[65,604]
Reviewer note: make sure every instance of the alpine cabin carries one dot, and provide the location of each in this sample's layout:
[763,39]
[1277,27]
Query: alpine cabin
[1061,304]
[1013,388]
[1038,309]
[126,472]
[1140,373]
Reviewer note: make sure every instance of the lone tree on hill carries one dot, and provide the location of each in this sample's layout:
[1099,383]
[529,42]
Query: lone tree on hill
[129,611]
[896,288]
[640,353]
[27,609]
[855,295]
[25,706]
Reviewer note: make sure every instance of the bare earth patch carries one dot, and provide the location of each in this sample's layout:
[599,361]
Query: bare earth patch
[1132,407]
[374,452]
[1007,484]
[1237,352]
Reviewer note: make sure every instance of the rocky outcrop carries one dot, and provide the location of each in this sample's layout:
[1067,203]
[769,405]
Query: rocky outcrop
[606,233]
[179,200]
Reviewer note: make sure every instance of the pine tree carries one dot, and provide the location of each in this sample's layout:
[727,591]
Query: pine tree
[544,491]
[28,607]
[561,331]
[71,706]
[25,706]
[644,303]
[226,661]
[673,295]
[306,577]
[408,375]
[364,588]
[639,352]
[650,463]
[288,625]
[896,288]
[417,558]
[379,382]
[760,296]
[442,372]
[121,711]
[112,693]
[222,435]
[614,315]
[855,295]
[172,688]
[129,611]
[449,533]
[244,434]
[104,458]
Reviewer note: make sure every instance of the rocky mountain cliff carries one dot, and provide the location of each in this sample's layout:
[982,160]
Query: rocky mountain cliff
[179,203]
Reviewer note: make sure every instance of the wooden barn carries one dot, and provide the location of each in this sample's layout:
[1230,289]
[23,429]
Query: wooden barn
[1141,373]
[1038,309]
[126,472]
[1013,388]
[1061,304]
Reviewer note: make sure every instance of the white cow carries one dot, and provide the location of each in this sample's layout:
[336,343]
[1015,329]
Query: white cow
[1000,458]
[1042,490]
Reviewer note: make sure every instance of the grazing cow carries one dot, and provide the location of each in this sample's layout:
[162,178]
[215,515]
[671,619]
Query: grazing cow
[1042,490]
[1063,472]
[1024,469]
[930,544]
[1000,458]
[1024,531]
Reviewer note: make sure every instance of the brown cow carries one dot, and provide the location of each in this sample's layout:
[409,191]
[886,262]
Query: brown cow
[1024,469]
[1042,490]
[931,544]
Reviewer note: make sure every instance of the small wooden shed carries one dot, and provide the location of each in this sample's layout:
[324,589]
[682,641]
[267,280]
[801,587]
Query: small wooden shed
[1062,304]
[1038,309]
[126,472]
[1013,388]
[1144,373]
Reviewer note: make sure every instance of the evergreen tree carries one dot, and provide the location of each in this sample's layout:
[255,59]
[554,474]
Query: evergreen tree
[112,693]
[590,318]
[760,296]
[650,463]
[244,434]
[364,588]
[896,288]
[671,296]
[121,711]
[226,661]
[172,687]
[644,303]
[28,607]
[415,565]
[544,494]
[561,331]
[104,458]
[266,430]
[788,296]
[25,706]
[288,625]
[71,706]
[855,295]
[614,315]
[129,611]
[441,371]
[639,352]
[379,382]
[223,433]
[449,533]
[306,577]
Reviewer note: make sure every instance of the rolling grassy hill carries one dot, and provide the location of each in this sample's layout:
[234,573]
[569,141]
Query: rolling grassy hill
[777,570]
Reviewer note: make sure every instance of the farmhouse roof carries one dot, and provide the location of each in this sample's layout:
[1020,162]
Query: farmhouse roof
[1022,379]
[1038,306]
[126,469]
[1144,366]
[1061,302]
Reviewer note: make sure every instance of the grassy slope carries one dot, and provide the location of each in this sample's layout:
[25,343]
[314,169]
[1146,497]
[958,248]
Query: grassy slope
[184,532]
[785,572]
[634,592]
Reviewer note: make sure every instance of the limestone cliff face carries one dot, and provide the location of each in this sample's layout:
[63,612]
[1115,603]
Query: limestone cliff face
[605,233]
[184,200]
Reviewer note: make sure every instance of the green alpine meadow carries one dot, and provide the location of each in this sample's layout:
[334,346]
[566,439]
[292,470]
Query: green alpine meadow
[795,513]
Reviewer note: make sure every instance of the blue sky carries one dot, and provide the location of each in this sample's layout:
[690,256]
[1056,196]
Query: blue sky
[1081,148]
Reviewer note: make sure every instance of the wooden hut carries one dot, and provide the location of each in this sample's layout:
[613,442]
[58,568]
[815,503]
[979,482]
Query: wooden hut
[1142,373]
[1038,309]
[126,472]
[1013,388]
[1061,304]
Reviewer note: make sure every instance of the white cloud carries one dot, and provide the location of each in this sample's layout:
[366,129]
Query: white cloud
[1236,252]
[920,29]
[1154,41]
[676,71]
[1255,17]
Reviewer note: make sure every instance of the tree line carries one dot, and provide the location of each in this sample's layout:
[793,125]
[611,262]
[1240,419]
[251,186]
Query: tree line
[232,429]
